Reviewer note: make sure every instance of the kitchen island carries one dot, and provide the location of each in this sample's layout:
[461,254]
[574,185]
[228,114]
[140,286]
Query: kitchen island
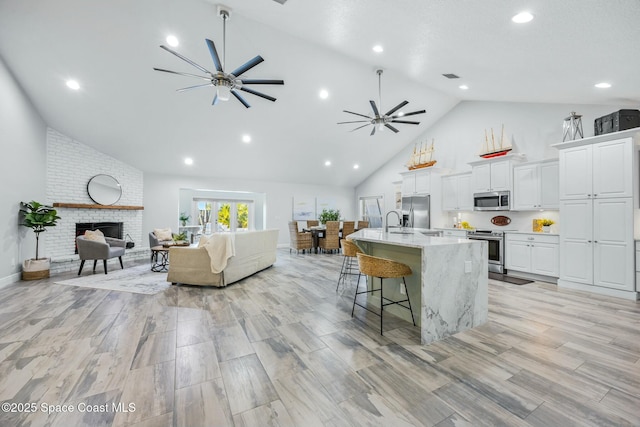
[449,279]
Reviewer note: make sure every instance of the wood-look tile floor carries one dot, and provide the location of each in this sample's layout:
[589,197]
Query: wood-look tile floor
[280,349]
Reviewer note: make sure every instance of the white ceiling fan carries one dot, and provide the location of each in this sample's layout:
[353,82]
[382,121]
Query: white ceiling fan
[380,121]
[226,84]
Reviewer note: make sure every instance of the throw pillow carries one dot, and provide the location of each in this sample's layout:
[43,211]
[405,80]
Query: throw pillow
[95,236]
[163,234]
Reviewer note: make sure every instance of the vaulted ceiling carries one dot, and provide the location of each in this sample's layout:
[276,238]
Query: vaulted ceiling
[126,109]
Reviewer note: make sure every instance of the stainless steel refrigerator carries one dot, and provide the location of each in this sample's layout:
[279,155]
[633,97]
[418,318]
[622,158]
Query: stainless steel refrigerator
[416,211]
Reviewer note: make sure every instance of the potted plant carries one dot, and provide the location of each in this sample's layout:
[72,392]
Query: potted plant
[546,225]
[37,217]
[329,215]
[184,218]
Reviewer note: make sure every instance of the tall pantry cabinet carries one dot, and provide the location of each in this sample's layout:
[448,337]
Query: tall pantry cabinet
[598,212]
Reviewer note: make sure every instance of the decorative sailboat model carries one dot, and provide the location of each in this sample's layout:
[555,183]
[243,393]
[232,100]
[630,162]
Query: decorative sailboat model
[422,158]
[490,150]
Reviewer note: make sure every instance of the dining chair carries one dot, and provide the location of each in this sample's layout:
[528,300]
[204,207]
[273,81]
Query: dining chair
[312,223]
[299,240]
[331,239]
[362,224]
[348,227]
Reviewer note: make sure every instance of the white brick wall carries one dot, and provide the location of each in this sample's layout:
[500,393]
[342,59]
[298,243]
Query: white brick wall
[70,166]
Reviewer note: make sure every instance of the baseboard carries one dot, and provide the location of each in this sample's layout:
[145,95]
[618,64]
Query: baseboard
[531,276]
[13,278]
[567,284]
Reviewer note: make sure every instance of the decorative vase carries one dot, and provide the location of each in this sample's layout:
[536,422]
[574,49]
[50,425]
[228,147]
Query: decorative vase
[184,223]
[546,229]
[34,269]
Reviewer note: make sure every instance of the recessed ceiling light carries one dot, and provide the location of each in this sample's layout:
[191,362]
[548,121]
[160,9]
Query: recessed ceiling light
[323,94]
[522,17]
[356,166]
[327,163]
[72,84]
[172,41]
[603,85]
[188,161]
[463,87]
[246,138]
[378,49]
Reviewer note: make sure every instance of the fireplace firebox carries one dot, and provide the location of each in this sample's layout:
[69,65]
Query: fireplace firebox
[109,229]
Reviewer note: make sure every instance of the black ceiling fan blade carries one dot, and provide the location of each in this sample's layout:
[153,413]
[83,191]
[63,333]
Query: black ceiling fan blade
[396,108]
[214,55]
[262,95]
[406,122]
[359,127]
[247,66]
[356,121]
[375,109]
[409,114]
[261,82]
[183,74]
[240,98]
[391,127]
[184,58]
[193,87]
[215,99]
[358,114]
[373,131]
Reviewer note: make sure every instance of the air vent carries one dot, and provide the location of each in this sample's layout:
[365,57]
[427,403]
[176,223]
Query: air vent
[280,1]
[451,76]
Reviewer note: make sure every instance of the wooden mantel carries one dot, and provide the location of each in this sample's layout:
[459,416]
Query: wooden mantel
[91,206]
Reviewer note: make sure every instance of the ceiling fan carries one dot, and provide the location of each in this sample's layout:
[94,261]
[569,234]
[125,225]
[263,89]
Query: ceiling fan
[226,84]
[380,121]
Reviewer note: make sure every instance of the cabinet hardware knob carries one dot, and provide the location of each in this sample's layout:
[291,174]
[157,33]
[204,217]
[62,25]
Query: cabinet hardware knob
[595,195]
[588,195]
[588,241]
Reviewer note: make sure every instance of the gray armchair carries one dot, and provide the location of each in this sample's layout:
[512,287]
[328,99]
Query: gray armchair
[153,240]
[90,249]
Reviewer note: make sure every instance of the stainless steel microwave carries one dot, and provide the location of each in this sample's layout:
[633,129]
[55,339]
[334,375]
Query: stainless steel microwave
[492,201]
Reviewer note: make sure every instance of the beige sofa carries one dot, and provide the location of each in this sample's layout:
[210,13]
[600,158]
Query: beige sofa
[255,251]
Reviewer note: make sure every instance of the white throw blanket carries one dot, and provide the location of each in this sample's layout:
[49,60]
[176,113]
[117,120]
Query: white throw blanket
[220,247]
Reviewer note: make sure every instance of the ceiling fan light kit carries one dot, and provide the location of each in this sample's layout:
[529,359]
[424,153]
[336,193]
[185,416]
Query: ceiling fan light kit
[380,121]
[226,84]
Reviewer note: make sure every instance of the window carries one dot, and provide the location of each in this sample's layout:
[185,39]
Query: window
[224,215]
[371,210]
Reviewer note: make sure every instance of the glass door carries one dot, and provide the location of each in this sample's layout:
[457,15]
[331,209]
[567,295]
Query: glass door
[225,215]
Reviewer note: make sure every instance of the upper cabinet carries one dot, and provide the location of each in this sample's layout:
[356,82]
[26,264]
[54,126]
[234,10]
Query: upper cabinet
[493,174]
[600,170]
[535,186]
[416,182]
[456,192]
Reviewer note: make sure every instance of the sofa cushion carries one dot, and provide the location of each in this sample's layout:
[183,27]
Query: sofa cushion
[163,233]
[95,236]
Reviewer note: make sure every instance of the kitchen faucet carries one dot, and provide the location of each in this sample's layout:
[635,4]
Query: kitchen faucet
[386,221]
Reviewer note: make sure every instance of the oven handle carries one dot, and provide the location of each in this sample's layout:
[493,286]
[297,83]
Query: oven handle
[484,238]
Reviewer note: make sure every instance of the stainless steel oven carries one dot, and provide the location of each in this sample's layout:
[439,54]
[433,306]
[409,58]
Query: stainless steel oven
[492,201]
[496,247]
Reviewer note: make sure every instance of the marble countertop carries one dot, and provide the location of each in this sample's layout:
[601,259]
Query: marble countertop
[408,238]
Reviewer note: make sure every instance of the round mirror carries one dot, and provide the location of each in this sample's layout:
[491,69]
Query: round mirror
[104,189]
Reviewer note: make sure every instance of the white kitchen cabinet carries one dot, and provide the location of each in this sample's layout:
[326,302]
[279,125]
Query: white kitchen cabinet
[596,246]
[535,186]
[598,190]
[456,192]
[450,232]
[416,182]
[493,174]
[533,253]
[600,170]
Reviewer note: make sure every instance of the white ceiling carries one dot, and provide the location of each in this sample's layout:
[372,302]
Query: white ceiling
[129,111]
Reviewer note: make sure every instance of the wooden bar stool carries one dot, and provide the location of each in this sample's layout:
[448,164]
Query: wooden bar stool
[383,269]
[349,263]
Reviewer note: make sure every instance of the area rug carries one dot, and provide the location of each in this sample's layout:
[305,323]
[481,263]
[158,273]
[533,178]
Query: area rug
[509,279]
[139,280]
